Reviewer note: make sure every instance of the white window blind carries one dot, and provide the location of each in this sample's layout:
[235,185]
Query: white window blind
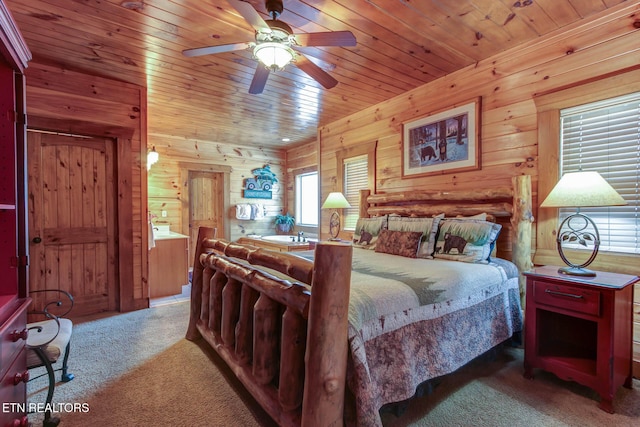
[355,178]
[307,199]
[604,136]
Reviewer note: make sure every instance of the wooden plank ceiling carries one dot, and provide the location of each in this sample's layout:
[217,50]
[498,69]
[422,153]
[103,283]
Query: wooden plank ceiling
[401,44]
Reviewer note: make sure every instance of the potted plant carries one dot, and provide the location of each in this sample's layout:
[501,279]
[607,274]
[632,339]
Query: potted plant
[284,223]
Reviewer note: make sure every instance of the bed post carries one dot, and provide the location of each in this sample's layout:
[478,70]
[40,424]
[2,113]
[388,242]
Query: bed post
[521,223]
[364,205]
[196,283]
[327,338]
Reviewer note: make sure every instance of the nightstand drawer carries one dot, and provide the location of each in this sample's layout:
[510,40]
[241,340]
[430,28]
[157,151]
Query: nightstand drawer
[567,297]
[13,335]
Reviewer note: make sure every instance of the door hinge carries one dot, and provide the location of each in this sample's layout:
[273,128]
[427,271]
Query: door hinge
[21,261]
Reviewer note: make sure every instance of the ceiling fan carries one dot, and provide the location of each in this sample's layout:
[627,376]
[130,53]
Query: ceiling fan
[276,45]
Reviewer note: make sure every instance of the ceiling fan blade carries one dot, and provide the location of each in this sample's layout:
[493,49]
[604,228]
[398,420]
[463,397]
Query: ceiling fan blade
[259,79]
[199,51]
[250,15]
[330,38]
[316,72]
[312,54]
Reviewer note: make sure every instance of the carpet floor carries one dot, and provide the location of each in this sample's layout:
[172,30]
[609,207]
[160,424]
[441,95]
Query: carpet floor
[136,369]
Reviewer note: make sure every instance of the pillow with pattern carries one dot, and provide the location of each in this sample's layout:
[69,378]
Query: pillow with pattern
[403,243]
[428,226]
[466,240]
[367,231]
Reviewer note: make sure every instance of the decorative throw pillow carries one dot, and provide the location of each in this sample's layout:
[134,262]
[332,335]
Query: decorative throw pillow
[403,243]
[427,226]
[466,240]
[367,231]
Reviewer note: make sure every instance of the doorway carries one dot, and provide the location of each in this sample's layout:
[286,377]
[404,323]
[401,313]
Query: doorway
[205,201]
[72,219]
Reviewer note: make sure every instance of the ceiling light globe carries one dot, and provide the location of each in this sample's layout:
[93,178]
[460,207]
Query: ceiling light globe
[273,55]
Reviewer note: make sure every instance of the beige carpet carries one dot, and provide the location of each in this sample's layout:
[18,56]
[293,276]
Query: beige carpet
[136,369]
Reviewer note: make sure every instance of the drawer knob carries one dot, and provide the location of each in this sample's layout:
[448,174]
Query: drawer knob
[21,422]
[21,377]
[19,335]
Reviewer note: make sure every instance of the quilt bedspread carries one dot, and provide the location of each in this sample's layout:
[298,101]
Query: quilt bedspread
[411,320]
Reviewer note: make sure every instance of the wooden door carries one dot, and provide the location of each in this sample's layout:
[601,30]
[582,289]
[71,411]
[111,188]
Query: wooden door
[72,221]
[206,205]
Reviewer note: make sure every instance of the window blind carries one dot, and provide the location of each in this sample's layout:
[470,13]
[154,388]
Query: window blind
[604,136]
[355,178]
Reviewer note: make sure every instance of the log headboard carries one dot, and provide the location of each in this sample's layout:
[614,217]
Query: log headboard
[511,205]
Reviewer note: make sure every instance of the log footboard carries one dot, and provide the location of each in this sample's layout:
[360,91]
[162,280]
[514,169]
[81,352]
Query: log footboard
[279,322]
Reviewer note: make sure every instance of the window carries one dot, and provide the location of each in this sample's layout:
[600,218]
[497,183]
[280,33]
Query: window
[604,136]
[307,199]
[355,178]
[356,167]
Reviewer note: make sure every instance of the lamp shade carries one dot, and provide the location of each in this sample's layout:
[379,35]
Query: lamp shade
[273,55]
[336,201]
[582,189]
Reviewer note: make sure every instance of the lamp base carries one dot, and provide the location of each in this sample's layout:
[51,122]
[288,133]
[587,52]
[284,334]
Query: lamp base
[577,271]
[579,229]
[334,226]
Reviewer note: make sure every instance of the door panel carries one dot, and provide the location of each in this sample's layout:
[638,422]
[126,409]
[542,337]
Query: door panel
[72,219]
[206,205]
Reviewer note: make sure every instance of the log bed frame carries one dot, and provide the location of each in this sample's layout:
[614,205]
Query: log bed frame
[288,344]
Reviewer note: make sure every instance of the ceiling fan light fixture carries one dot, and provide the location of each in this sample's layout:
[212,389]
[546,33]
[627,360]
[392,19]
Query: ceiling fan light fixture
[273,55]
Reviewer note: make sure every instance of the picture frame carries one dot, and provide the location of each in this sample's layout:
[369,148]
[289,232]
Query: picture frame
[425,152]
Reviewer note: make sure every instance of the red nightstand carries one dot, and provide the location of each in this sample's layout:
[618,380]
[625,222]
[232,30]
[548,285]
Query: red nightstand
[580,329]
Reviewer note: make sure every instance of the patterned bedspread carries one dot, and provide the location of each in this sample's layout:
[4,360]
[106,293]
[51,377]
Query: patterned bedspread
[411,320]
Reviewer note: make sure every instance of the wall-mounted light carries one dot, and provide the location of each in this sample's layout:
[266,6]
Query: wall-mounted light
[152,157]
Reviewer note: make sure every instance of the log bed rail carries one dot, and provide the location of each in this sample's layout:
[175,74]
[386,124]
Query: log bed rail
[264,326]
[280,321]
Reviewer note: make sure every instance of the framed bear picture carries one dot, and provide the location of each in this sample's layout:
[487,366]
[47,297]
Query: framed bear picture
[444,142]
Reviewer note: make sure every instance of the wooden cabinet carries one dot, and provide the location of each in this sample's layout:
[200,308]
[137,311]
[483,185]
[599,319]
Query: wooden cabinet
[580,329]
[168,266]
[13,248]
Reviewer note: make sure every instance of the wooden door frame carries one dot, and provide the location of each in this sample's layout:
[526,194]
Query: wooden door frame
[124,200]
[185,168]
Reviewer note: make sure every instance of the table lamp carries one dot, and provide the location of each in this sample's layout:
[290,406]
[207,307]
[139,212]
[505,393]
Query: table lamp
[578,190]
[335,201]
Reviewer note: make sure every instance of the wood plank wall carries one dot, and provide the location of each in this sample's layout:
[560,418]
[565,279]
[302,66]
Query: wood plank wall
[71,102]
[301,158]
[165,188]
[507,83]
